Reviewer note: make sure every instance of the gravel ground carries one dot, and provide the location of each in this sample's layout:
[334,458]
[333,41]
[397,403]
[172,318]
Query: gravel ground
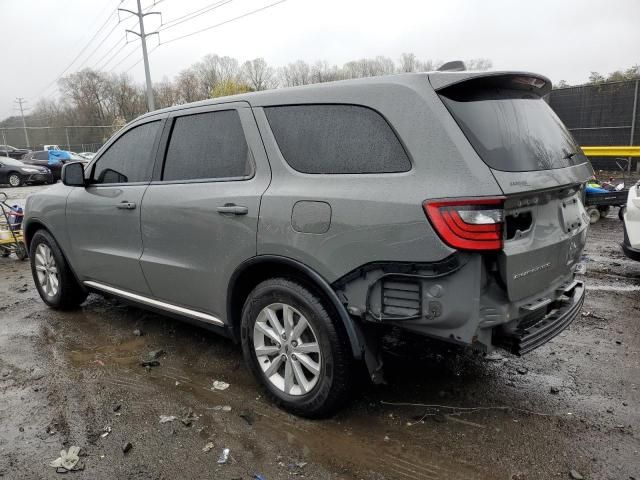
[570,405]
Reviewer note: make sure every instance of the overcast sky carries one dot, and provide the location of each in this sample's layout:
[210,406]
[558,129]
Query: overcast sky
[561,39]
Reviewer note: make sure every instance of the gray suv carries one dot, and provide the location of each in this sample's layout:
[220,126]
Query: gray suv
[303,221]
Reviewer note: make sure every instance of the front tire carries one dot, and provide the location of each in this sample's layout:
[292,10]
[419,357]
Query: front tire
[52,275]
[295,349]
[15,179]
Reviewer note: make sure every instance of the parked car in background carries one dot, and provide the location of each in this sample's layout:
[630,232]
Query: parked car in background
[87,155]
[631,219]
[307,222]
[41,158]
[15,173]
[12,152]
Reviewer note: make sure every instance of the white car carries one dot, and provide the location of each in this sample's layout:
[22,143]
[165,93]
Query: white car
[631,216]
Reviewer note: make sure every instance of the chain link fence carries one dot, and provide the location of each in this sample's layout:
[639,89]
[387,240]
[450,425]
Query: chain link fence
[604,114]
[87,138]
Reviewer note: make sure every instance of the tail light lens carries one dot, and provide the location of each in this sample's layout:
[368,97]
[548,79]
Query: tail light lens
[468,224]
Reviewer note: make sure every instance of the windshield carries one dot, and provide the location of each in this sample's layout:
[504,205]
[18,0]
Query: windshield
[11,161]
[512,130]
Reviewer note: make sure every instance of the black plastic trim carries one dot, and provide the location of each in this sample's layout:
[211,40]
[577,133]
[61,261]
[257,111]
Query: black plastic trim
[355,339]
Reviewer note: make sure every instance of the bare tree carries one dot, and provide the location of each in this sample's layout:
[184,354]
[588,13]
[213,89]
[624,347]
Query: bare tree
[258,75]
[188,87]
[295,74]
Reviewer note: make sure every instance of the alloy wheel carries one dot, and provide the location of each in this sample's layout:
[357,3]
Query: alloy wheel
[47,270]
[14,180]
[287,349]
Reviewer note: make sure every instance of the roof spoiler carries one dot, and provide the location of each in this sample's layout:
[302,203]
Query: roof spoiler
[453,66]
[534,83]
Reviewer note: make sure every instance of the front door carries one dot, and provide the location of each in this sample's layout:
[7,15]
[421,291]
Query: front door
[103,219]
[200,219]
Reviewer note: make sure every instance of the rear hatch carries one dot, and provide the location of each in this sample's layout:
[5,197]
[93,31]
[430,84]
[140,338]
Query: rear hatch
[539,167]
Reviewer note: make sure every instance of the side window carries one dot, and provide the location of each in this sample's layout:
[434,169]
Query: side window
[130,158]
[206,146]
[41,156]
[333,139]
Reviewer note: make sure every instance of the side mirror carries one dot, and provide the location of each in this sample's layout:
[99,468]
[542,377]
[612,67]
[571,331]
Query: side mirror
[73,174]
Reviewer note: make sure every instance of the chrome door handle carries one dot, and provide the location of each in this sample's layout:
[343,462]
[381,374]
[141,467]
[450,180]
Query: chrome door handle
[233,209]
[126,205]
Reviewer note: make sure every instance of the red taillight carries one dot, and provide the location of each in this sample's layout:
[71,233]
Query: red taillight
[468,224]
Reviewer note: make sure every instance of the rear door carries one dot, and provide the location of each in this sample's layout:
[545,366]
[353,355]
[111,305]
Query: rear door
[539,167]
[200,214]
[104,218]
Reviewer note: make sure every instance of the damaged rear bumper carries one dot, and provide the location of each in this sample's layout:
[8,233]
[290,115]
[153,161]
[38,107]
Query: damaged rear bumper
[539,329]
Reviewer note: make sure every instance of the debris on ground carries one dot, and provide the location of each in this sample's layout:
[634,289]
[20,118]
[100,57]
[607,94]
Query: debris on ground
[592,315]
[137,332]
[117,407]
[522,370]
[554,390]
[69,460]
[224,408]
[155,354]
[105,431]
[208,447]
[576,475]
[494,356]
[247,417]
[167,418]
[126,447]
[150,363]
[257,476]
[188,418]
[224,456]
[51,429]
[219,385]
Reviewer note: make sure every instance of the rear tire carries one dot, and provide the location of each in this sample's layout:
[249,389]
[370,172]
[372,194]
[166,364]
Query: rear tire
[621,211]
[594,215]
[14,179]
[52,275]
[310,372]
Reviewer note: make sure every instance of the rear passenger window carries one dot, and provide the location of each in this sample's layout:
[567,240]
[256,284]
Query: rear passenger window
[336,139]
[130,158]
[207,146]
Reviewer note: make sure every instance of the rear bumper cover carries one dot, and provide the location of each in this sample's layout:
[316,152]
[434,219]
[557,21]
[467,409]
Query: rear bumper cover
[533,335]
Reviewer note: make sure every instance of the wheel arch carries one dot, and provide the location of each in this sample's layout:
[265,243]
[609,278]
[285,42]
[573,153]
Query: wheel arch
[257,269]
[31,228]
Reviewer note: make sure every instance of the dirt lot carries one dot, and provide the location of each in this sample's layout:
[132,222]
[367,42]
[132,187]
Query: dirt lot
[571,405]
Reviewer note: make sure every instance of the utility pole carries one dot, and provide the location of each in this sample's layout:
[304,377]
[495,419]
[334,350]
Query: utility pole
[143,38]
[20,101]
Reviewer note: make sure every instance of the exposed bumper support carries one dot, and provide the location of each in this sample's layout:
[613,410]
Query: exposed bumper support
[527,338]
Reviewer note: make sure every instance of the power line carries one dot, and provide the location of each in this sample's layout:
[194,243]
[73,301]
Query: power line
[143,41]
[96,65]
[122,59]
[140,59]
[79,54]
[105,65]
[225,22]
[114,46]
[192,15]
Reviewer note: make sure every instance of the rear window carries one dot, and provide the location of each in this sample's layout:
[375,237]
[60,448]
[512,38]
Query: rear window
[336,139]
[207,146]
[512,129]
